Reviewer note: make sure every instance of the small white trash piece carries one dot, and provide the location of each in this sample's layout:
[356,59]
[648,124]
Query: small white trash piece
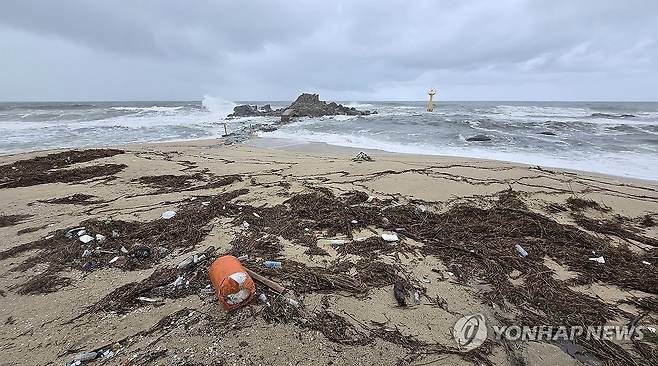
[390,237]
[86,238]
[168,214]
[338,242]
[113,260]
[599,260]
[100,238]
[646,263]
[245,224]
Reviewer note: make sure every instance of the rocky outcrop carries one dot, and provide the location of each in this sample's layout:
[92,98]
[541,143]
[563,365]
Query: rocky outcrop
[479,138]
[306,105]
[310,105]
[609,115]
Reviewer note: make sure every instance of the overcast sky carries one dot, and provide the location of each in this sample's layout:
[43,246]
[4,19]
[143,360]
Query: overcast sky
[345,50]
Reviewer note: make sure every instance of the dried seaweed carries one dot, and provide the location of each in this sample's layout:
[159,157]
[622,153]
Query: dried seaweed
[75,199]
[337,329]
[42,284]
[11,220]
[49,168]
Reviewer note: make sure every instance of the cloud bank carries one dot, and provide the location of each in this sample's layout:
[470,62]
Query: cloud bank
[346,50]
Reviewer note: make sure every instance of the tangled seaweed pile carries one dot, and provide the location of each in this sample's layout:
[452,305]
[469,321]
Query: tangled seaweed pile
[475,243]
[51,168]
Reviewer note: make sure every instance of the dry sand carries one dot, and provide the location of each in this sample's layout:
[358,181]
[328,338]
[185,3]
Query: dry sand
[40,329]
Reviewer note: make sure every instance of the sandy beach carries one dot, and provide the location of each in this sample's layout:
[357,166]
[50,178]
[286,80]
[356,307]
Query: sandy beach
[321,214]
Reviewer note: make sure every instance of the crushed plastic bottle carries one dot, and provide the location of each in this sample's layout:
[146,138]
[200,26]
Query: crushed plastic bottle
[272,264]
[87,356]
[519,249]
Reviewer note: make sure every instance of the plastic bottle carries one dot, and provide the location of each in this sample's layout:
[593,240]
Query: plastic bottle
[519,249]
[88,356]
[272,264]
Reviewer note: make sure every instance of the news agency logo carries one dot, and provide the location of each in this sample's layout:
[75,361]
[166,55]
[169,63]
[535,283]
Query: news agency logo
[470,332]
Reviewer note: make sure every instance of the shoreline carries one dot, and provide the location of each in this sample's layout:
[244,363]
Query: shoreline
[457,221]
[286,144]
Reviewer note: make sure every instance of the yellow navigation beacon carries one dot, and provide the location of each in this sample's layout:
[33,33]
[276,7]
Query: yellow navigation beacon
[430,107]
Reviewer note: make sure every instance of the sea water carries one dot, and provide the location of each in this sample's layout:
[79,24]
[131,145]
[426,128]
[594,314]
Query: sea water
[604,137]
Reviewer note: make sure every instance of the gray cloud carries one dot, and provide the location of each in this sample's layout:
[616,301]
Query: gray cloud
[514,49]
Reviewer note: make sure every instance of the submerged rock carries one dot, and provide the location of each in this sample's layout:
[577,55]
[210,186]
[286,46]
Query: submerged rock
[479,138]
[609,115]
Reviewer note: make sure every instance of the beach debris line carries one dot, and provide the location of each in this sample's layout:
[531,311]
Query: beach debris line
[54,168]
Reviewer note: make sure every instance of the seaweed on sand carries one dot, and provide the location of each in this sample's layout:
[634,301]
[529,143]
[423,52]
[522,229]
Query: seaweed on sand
[50,168]
[11,220]
[74,199]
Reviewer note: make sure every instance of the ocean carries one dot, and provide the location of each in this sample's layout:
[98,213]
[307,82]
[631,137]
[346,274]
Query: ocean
[611,138]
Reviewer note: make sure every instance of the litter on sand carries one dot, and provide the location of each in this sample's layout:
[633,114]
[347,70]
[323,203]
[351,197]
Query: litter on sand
[599,260]
[390,237]
[168,215]
[86,238]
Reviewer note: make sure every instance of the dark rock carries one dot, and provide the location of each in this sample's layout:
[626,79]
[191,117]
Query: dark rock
[548,133]
[243,110]
[479,138]
[609,115]
[310,105]
[306,105]
[287,114]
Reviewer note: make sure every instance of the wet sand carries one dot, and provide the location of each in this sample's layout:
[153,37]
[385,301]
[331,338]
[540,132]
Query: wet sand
[365,325]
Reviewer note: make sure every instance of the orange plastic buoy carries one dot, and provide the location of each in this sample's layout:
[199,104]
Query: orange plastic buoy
[232,283]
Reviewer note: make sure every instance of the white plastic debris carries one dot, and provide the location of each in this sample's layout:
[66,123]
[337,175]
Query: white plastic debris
[354,222]
[420,209]
[206,203]
[82,232]
[338,242]
[70,232]
[115,233]
[416,297]
[390,237]
[292,302]
[257,215]
[243,258]
[86,238]
[360,239]
[179,282]
[186,263]
[124,250]
[245,224]
[263,298]
[168,214]
[86,253]
[646,263]
[49,237]
[146,299]
[599,260]
[114,260]
[100,238]
[370,198]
